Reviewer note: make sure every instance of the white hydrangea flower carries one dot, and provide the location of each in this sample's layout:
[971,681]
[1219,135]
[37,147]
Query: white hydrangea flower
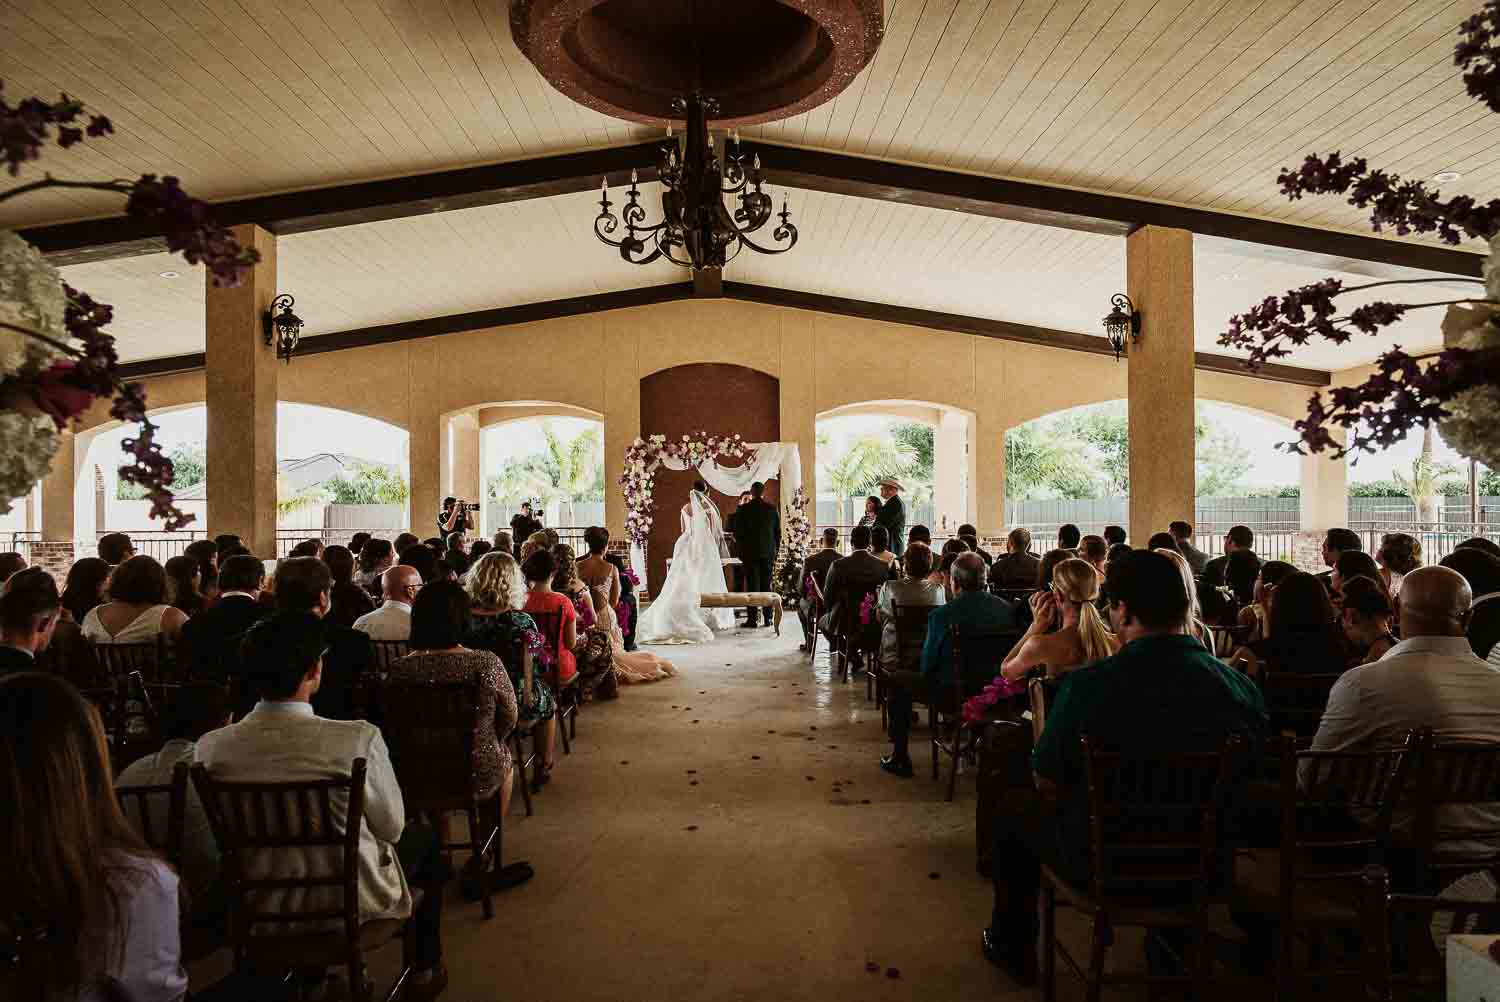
[32,297]
[27,445]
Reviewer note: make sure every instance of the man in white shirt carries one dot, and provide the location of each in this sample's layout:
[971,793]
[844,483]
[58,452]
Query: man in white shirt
[1431,679]
[281,740]
[392,621]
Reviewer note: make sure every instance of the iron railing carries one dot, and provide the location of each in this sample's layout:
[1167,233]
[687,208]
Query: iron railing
[20,542]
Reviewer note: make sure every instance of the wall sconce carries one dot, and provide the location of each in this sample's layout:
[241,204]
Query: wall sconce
[283,327]
[1123,319]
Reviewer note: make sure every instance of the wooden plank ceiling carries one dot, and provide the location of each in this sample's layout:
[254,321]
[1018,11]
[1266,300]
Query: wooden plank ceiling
[1197,102]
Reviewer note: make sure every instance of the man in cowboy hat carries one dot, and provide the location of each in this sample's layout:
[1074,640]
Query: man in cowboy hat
[892,513]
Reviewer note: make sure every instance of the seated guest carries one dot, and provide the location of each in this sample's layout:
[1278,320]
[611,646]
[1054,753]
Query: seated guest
[941,575]
[537,541]
[195,709]
[1163,541]
[1193,626]
[303,584]
[1350,564]
[392,621]
[1222,605]
[115,548]
[972,610]
[919,534]
[1301,632]
[1066,631]
[1482,571]
[85,587]
[1182,532]
[1115,535]
[849,579]
[212,637]
[350,601]
[477,549]
[1481,543]
[538,569]
[595,570]
[375,558]
[357,543]
[969,534]
[1239,537]
[497,592]
[880,547]
[456,541]
[1400,553]
[627,599]
[1094,550]
[308,548]
[1366,620]
[912,588]
[29,612]
[1163,691]
[402,542]
[1068,536]
[1116,551]
[504,541]
[207,554]
[1431,679]
[435,544]
[424,561]
[1337,542]
[454,564]
[284,739]
[1254,615]
[1017,567]
[137,611]
[225,542]
[1047,566]
[815,568]
[184,576]
[10,563]
[439,618]
[72,859]
[593,653]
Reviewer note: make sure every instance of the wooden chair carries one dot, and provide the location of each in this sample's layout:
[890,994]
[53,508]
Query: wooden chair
[911,634]
[386,651]
[1157,858]
[853,635]
[430,728]
[1036,700]
[1412,917]
[269,915]
[1449,775]
[565,695]
[161,831]
[521,655]
[1296,701]
[1310,885]
[974,653]
[152,658]
[25,966]
[818,608]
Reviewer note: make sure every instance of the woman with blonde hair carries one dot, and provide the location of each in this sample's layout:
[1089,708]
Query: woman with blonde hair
[1195,627]
[536,541]
[105,906]
[1081,637]
[497,591]
[629,666]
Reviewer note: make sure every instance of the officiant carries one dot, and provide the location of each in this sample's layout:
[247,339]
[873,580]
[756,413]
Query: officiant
[757,537]
[892,513]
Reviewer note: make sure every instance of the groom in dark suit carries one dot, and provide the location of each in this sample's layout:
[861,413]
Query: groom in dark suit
[757,537]
[892,514]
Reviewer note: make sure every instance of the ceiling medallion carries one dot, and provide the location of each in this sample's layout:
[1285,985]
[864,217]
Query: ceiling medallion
[763,60]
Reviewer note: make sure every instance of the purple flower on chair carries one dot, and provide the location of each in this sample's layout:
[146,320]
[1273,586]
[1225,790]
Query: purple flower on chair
[976,708]
[867,610]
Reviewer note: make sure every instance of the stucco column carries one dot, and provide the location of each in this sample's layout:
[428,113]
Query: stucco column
[460,459]
[987,438]
[799,413]
[622,414]
[949,461]
[1160,380]
[58,488]
[240,380]
[425,437]
[1324,492]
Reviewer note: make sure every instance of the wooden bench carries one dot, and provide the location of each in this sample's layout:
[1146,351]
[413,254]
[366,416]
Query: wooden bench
[745,600]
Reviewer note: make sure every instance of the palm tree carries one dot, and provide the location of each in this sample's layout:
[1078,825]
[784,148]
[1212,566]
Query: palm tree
[1043,463]
[564,472]
[1422,485]
[862,466]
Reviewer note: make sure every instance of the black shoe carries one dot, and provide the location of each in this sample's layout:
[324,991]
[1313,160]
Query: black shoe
[1018,962]
[897,766]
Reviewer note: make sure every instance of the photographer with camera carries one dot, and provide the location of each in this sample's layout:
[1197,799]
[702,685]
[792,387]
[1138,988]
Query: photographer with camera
[523,526]
[456,516]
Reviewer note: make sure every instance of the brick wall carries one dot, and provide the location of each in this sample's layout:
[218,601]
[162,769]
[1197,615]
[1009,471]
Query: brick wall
[1307,552]
[55,556]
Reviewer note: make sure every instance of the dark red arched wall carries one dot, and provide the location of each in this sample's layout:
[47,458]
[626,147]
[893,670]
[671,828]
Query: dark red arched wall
[719,400]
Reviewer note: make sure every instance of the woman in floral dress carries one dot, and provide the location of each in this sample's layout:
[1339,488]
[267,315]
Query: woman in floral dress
[594,651]
[496,594]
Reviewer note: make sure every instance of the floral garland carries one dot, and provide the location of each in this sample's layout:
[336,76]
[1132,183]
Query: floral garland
[976,708]
[798,524]
[1459,387]
[644,457]
[55,359]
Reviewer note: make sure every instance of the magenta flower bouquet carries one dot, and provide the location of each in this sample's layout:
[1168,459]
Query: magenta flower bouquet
[976,708]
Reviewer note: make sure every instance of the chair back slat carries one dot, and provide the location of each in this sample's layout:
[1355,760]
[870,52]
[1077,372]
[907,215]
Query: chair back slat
[1453,776]
[1155,818]
[320,820]
[1295,700]
[429,729]
[911,632]
[159,811]
[518,659]
[387,651]
[1037,698]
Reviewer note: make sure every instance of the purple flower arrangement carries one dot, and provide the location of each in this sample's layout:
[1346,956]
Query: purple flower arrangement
[622,614]
[867,610]
[976,708]
[585,610]
[645,456]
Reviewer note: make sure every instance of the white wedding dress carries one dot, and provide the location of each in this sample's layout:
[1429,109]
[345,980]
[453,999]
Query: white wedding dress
[674,615]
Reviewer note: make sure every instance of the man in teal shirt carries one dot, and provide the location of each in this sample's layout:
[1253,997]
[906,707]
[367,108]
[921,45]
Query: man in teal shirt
[973,611]
[1163,691]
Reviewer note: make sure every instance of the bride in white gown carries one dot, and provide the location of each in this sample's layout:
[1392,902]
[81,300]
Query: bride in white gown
[674,616]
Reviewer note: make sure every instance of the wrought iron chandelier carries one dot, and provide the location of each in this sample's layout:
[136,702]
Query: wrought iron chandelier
[697,230]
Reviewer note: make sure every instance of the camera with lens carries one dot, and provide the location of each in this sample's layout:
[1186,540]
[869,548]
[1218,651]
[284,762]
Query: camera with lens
[469,505]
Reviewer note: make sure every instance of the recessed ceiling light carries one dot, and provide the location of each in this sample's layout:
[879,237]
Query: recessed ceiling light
[1447,176]
[171,274]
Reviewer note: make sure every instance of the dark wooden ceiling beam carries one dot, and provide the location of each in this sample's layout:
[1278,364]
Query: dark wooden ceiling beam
[510,316]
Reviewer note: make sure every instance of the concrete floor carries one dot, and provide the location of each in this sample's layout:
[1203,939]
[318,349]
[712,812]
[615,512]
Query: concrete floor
[727,835]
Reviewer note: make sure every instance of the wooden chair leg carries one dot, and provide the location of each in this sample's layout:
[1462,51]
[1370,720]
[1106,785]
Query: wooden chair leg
[1098,948]
[478,838]
[958,751]
[1049,942]
[519,754]
[932,727]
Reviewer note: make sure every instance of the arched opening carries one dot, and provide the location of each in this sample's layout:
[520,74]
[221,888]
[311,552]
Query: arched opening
[1073,466]
[550,455]
[926,446]
[337,473]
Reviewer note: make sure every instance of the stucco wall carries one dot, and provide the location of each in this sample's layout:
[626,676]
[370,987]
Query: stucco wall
[822,362]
